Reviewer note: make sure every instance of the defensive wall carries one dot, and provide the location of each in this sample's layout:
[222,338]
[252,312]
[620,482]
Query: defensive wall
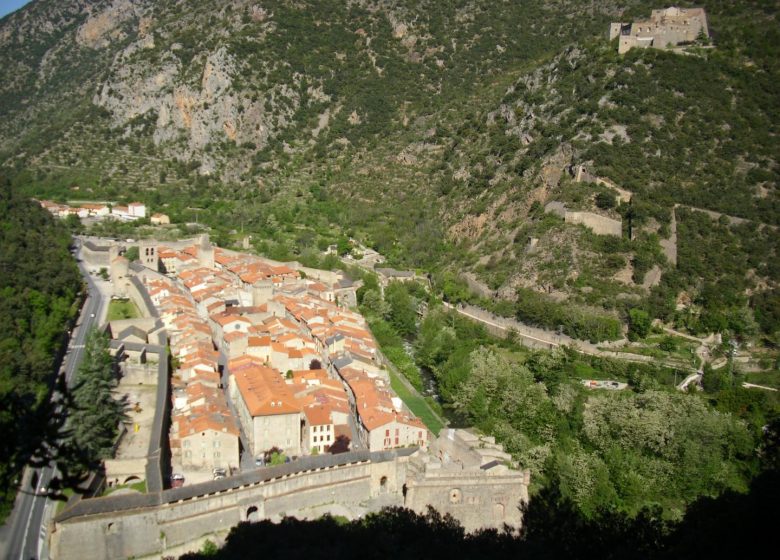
[137,525]
[478,487]
[502,327]
[600,225]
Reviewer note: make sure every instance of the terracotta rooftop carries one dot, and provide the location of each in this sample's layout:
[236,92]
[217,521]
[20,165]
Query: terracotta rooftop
[265,392]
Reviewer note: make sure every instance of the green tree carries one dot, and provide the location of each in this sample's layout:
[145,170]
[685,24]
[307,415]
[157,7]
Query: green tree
[73,223]
[95,414]
[638,324]
[133,253]
[373,302]
[605,200]
[403,312]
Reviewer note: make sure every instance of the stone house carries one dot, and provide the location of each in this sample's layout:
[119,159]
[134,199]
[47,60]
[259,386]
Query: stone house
[318,429]
[209,438]
[267,409]
[666,27]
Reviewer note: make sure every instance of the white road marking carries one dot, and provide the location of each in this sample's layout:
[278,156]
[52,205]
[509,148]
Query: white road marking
[29,517]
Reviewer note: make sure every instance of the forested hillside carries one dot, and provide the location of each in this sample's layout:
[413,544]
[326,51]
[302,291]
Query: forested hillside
[39,283]
[434,132]
[438,133]
[648,445]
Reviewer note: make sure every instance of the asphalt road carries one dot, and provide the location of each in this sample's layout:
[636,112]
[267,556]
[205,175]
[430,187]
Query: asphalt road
[26,534]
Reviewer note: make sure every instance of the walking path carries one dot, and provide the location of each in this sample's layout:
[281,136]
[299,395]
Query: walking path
[541,338]
[694,377]
[754,386]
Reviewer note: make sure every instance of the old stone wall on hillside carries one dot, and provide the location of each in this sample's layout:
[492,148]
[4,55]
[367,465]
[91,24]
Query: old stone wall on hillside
[600,225]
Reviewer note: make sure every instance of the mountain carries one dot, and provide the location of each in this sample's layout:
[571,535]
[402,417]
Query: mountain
[434,131]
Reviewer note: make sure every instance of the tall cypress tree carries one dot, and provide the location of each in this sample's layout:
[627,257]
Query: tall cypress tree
[95,414]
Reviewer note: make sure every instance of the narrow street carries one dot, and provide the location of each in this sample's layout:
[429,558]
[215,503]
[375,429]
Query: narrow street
[247,459]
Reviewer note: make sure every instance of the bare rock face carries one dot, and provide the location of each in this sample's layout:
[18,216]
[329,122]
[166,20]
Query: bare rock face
[553,166]
[201,112]
[104,26]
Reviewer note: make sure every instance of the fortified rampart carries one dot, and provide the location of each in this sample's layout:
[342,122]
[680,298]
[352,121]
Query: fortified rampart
[149,524]
[600,225]
[666,27]
[468,477]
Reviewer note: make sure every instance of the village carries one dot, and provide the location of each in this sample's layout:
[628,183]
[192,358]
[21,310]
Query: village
[268,362]
[97,211]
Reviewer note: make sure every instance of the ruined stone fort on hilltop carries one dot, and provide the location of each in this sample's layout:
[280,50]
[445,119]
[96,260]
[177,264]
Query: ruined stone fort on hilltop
[667,27]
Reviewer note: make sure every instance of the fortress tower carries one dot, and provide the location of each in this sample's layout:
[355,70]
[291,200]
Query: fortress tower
[147,253]
[205,251]
[262,292]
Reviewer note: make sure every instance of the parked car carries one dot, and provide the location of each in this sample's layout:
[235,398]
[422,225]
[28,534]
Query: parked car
[177,480]
[219,473]
[259,462]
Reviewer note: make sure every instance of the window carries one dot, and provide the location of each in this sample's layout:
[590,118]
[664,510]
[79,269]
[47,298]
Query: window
[216,455]
[387,433]
[186,443]
[396,431]
[216,444]
[187,454]
[396,441]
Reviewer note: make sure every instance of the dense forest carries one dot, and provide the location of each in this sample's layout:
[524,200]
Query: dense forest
[649,445]
[39,285]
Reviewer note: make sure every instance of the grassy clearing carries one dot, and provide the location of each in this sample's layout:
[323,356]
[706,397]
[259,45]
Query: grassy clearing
[122,309]
[416,404]
[139,486]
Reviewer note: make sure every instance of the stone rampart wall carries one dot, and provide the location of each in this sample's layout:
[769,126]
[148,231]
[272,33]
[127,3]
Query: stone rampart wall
[149,531]
[476,501]
[142,525]
[139,296]
[600,225]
